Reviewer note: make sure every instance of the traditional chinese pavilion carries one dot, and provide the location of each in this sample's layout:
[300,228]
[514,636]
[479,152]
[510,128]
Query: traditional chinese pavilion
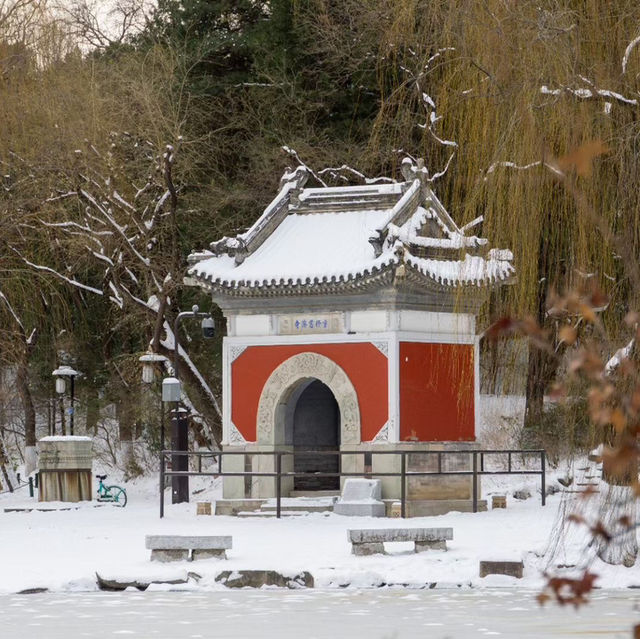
[350,326]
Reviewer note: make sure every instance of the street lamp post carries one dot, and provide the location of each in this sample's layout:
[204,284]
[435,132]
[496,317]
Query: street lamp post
[171,392]
[60,374]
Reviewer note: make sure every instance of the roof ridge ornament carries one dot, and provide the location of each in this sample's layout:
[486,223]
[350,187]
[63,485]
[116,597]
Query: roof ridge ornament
[297,178]
[417,171]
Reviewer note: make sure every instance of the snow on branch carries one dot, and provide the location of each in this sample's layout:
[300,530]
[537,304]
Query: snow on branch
[336,173]
[439,174]
[294,154]
[46,269]
[428,102]
[115,225]
[3,297]
[627,52]
[620,355]
[586,94]
[523,167]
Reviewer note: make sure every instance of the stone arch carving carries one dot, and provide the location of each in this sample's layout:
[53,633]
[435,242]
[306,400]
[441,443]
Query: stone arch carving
[283,381]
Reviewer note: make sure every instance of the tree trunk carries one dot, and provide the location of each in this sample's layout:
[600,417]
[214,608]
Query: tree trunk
[542,365]
[541,371]
[22,382]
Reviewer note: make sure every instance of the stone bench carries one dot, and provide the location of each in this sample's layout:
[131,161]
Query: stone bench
[179,547]
[508,568]
[371,541]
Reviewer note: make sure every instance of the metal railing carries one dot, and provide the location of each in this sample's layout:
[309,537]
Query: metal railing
[478,468]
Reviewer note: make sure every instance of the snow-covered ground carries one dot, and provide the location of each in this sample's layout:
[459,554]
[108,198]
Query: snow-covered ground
[63,550]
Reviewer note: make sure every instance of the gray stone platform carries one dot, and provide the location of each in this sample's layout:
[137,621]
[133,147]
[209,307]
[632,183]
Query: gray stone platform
[185,547]
[371,541]
[361,498]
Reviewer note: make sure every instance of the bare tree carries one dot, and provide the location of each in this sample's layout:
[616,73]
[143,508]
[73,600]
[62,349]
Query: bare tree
[100,25]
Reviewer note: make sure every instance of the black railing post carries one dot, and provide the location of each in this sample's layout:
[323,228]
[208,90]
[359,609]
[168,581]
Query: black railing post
[543,479]
[509,461]
[278,483]
[161,484]
[30,486]
[475,482]
[37,479]
[403,485]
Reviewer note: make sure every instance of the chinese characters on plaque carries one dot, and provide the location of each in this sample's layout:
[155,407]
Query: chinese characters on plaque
[310,323]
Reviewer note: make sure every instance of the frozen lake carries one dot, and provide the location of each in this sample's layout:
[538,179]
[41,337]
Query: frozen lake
[330,614]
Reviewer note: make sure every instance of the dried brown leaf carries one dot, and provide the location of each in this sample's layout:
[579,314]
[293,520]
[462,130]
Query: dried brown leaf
[568,334]
[581,159]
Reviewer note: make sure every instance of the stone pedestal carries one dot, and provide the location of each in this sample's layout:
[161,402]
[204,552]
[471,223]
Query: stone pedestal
[64,467]
[169,555]
[360,498]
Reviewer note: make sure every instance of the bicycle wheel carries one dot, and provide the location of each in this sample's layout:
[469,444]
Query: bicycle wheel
[118,495]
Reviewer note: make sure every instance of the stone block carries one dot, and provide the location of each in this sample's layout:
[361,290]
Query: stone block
[367,549]
[499,501]
[394,509]
[422,546]
[165,555]
[208,553]
[359,509]
[203,508]
[509,568]
[356,489]
[361,498]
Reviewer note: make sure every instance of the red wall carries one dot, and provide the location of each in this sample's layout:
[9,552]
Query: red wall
[364,364]
[436,392]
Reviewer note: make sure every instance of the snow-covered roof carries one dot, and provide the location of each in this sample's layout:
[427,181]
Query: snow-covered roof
[316,236]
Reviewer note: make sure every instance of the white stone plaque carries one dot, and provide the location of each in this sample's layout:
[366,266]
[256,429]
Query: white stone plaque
[303,324]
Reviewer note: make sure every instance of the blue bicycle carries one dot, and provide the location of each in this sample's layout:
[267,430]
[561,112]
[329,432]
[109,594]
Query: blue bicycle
[114,494]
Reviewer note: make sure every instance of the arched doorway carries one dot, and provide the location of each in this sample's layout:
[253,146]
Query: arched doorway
[313,421]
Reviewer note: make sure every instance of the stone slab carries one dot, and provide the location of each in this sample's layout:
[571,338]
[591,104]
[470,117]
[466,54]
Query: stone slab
[188,542]
[382,535]
[509,568]
[360,509]
[356,489]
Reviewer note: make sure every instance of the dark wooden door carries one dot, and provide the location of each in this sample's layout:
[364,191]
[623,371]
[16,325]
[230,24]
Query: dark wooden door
[316,425]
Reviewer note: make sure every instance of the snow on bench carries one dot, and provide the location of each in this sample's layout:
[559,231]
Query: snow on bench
[178,547]
[371,541]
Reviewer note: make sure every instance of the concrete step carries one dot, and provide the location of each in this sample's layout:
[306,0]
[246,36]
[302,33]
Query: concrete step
[300,504]
[250,514]
[314,493]
[299,509]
